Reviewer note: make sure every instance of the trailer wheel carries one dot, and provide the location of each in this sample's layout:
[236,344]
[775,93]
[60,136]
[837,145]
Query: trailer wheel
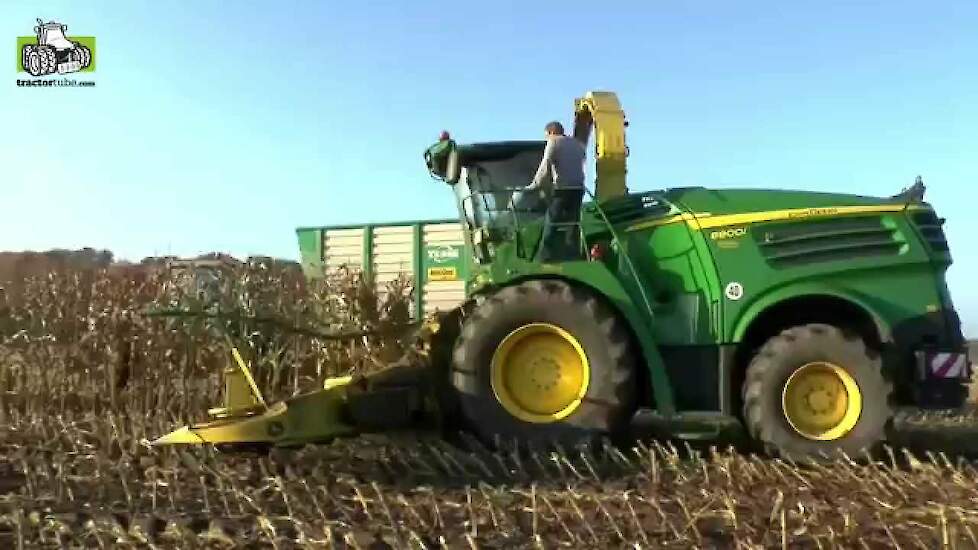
[811,392]
[544,362]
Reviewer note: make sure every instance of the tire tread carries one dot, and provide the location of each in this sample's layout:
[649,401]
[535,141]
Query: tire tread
[594,414]
[763,429]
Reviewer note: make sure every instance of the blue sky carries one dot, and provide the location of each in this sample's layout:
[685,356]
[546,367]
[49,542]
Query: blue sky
[222,126]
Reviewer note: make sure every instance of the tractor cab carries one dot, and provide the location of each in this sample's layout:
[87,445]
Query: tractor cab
[489,182]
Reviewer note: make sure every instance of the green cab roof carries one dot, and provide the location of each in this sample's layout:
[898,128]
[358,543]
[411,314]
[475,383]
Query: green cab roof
[497,150]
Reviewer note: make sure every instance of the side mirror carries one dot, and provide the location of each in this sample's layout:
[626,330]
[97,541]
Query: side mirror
[453,170]
[442,161]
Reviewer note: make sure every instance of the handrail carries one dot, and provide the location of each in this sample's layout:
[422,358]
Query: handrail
[515,211]
[614,236]
[628,259]
[511,207]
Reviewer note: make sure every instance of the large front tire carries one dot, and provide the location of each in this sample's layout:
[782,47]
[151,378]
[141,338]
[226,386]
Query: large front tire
[544,362]
[812,391]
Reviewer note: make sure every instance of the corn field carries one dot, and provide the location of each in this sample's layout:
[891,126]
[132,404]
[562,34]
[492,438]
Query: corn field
[87,380]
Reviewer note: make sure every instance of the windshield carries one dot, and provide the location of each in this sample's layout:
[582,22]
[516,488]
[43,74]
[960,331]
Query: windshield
[488,189]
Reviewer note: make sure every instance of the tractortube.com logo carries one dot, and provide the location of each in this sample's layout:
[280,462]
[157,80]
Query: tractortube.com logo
[50,51]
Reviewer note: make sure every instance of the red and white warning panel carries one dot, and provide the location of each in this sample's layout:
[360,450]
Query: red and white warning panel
[944,365]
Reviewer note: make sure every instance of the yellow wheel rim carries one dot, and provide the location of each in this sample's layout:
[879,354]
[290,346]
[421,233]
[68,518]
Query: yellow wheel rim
[821,401]
[539,373]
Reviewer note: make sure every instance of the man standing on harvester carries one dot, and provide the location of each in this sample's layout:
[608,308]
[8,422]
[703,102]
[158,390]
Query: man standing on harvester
[563,159]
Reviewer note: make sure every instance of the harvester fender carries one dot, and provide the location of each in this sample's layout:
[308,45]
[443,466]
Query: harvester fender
[601,282]
[783,294]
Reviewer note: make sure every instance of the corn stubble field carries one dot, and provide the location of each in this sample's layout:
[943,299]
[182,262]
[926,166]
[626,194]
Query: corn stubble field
[86,380]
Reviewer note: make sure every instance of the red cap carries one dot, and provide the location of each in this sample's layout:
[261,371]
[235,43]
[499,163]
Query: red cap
[444,135]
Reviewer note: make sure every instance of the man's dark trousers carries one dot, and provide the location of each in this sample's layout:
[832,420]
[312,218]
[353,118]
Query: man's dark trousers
[561,229]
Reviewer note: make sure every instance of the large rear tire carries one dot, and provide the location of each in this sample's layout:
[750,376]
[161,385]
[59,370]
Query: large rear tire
[812,391]
[544,362]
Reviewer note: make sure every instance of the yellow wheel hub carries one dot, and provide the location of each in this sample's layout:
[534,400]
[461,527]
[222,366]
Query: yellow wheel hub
[821,401]
[539,373]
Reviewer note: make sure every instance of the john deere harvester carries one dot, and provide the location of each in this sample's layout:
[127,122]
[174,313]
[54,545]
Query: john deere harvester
[806,318]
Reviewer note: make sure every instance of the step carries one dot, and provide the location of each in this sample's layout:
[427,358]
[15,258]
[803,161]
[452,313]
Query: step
[691,425]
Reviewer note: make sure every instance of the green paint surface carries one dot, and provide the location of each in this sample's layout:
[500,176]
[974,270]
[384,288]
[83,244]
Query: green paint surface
[310,252]
[673,291]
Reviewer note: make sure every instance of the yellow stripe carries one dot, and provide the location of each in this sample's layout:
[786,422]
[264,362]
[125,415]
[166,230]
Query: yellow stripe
[685,216]
[708,221]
